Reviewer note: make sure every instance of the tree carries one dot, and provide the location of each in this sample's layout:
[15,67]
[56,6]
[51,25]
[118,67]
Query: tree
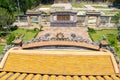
[5,19]
[6,16]
[6,5]
[116,3]
[28,4]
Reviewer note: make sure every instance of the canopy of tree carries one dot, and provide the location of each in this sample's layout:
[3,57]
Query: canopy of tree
[8,9]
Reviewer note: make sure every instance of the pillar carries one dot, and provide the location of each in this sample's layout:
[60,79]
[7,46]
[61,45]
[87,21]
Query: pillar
[28,19]
[75,18]
[109,20]
[98,21]
[39,20]
[86,21]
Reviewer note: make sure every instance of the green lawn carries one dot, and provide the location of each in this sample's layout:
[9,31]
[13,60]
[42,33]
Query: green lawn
[111,12]
[80,5]
[45,6]
[1,48]
[100,33]
[28,34]
[105,7]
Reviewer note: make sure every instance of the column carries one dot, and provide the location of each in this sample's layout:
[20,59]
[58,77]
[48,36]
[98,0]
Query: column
[51,18]
[39,20]
[98,21]
[75,18]
[28,19]
[109,20]
[86,21]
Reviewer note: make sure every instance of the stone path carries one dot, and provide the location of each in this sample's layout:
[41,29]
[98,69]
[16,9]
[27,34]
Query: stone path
[67,31]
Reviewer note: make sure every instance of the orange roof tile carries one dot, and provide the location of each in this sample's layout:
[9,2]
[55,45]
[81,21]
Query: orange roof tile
[65,62]
[23,76]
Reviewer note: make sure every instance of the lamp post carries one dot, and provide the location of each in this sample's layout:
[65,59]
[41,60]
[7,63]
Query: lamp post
[18,12]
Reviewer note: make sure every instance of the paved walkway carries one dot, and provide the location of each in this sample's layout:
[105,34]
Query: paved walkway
[67,31]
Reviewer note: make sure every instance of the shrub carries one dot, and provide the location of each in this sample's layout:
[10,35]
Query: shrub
[112,40]
[10,39]
[91,30]
[36,29]
[41,27]
[12,28]
[3,34]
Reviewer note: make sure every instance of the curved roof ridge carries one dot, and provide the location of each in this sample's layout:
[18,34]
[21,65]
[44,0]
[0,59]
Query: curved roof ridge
[62,43]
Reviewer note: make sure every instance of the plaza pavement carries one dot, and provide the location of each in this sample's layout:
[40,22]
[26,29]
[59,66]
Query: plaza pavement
[67,31]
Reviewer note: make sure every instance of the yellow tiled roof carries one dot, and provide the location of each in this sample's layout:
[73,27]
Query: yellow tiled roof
[29,76]
[60,62]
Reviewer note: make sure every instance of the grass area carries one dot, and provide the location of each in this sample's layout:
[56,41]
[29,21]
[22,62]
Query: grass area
[105,7]
[45,6]
[28,34]
[78,5]
[1,48]
[99,34]
[111,12]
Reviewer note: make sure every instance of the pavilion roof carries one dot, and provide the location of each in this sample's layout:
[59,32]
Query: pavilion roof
[30,76]
[60,62]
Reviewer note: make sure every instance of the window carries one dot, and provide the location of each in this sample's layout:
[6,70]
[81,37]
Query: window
[63,17]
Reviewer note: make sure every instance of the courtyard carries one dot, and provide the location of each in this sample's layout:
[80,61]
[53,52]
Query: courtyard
[67,31]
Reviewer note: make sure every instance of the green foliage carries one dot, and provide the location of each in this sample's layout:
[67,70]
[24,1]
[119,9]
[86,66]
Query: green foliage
[113,40]
[1,48]
[12,28]
[117,21]
[117,18]
[36,29]
[117,3]
[91,30]
[10,39]
[6,15]
[80,5]
[3,33]
[41,27]
[28,34]
[110,35]
[100,6]
[5,19]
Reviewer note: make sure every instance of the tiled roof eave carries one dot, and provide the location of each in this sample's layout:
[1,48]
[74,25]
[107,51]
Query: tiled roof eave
[26,76]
